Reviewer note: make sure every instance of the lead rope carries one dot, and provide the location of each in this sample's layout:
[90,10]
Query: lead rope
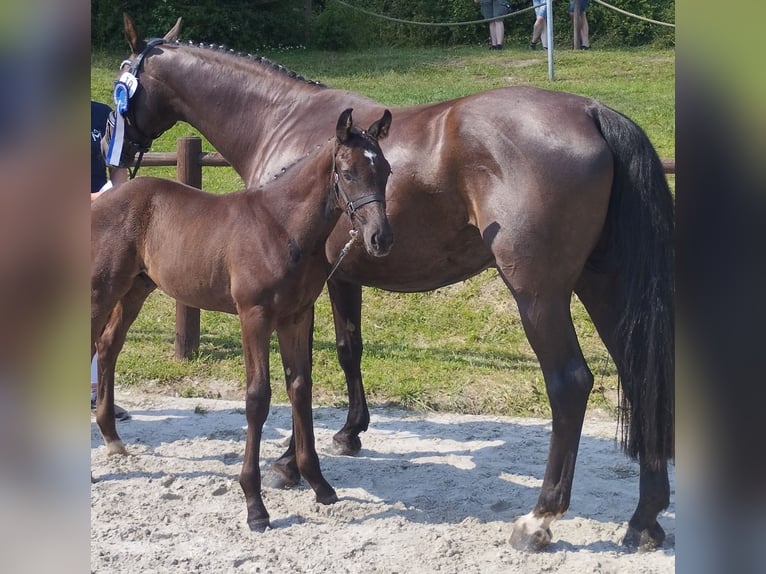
[353,233]
[138,164]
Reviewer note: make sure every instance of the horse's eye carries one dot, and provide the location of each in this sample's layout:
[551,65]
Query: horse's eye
[347,175]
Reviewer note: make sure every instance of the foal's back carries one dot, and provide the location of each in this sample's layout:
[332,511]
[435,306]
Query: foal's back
[181,238]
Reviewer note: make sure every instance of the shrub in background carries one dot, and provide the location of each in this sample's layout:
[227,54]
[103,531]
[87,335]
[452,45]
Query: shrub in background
[248,25]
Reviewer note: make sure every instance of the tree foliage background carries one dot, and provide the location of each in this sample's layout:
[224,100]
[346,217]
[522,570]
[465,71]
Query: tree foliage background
[249,25]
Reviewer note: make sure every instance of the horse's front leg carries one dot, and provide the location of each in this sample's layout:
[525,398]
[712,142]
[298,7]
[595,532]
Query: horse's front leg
[568,382]
[346,299]
[256,331]
[295,346]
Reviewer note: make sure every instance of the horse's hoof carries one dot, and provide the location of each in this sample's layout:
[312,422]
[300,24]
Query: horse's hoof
[259,524]
[644,540]
[116,447]
[536,541]
[346,445]
[328,498]
[274,478]
[530,534]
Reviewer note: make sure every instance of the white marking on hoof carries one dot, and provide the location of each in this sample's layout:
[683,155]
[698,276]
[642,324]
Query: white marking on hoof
[116,447]
[531,532]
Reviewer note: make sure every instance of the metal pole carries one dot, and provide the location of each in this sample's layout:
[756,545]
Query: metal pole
[549,33]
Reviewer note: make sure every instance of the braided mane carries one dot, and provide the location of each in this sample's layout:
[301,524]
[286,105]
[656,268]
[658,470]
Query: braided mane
[220,48]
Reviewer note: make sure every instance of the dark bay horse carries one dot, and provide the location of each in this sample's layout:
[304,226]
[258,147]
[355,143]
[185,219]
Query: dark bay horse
[258,253]
[558,192]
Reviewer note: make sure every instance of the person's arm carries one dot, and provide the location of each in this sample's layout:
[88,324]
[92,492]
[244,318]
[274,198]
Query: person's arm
[118,175]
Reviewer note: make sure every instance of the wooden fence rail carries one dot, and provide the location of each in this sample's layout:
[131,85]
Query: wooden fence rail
[189,160]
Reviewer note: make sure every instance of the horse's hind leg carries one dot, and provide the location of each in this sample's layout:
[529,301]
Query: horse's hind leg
[568,381]
[346,299]
[109,345]
[599,295]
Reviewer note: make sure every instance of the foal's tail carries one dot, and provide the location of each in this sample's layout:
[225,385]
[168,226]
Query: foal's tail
[639,230]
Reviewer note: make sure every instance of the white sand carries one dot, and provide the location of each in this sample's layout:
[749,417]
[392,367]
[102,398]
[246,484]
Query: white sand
[428,493]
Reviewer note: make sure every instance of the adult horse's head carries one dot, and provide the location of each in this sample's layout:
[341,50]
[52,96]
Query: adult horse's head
[360,174]
[137,119]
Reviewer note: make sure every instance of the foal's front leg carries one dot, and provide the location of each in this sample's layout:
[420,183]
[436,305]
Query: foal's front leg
[255,347]
[346,299]
[295,346]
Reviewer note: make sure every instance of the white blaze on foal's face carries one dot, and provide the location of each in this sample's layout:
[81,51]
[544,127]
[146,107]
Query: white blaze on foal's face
[371,155]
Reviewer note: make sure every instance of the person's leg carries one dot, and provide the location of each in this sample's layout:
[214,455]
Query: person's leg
[537,31]
[93,380]
[497,32]
[584,40]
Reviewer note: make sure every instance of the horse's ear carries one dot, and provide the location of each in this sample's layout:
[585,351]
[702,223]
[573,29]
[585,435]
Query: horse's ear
[344,125]
[135,42]
[379,130]
[172,35]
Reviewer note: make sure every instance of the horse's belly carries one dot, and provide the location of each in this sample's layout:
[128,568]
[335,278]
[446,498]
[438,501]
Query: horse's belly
[193,285]
[419,261]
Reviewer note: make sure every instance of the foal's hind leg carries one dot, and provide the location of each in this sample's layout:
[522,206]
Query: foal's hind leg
[568,381]
[109,345]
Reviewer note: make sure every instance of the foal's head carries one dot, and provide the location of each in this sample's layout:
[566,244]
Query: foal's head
[360,174]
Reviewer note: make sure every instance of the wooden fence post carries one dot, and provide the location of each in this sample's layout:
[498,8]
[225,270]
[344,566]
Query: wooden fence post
[189,171]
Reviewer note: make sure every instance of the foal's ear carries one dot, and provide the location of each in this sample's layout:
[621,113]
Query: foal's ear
[379,130]
[344,125]
[172,35]
[135,41]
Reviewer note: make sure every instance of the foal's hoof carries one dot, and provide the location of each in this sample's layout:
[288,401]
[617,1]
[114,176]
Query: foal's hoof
[327,498]
[346,445]
[275,478]
[280,476]
[116,447]
[258,524]
[530,535]
[644,540]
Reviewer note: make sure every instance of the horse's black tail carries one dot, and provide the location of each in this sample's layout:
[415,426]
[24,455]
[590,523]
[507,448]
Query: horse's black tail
[640,237]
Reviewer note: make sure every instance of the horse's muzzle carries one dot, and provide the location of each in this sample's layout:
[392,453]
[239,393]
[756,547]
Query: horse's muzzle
[380,242]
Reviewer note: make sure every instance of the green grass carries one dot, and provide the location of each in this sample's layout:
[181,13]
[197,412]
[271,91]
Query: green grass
[460,348]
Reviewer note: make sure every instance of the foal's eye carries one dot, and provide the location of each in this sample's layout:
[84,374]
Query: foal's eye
[347,175]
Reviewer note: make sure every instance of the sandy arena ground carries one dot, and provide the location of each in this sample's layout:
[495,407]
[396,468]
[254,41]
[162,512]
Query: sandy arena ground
[428,493]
